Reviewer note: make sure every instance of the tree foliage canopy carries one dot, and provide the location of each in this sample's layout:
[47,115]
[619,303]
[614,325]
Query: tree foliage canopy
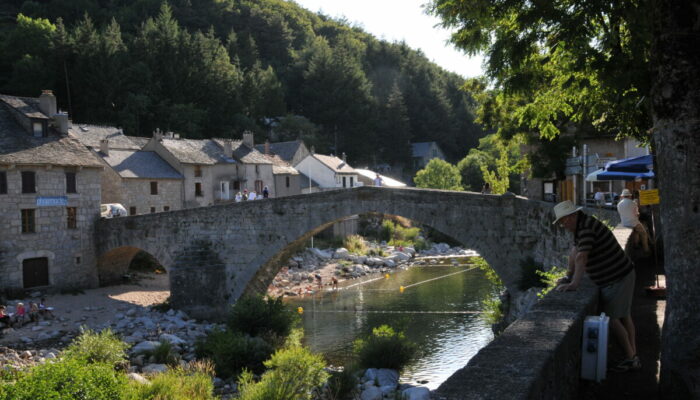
[438,174]
[216,68]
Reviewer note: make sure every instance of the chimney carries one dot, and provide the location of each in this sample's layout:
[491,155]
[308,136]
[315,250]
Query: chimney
[61,122]
[313,149]
[47,103]
[104,147]
[158,134]
[248,139]
[267,147]
[228,148]
[345,158]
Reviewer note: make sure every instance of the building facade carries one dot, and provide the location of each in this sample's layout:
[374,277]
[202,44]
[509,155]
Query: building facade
[328,172]
[49,198]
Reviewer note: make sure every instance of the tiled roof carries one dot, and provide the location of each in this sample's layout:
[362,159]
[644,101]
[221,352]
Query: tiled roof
[28,106]
[140,164]
[139,141]
[334,163]
[91,135]
[190,151]
[18,147]
[285,150]
[244,153]
[281,167]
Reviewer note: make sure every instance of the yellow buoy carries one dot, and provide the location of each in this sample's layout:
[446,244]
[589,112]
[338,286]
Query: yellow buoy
[401,289]
[386,276]
[300,310]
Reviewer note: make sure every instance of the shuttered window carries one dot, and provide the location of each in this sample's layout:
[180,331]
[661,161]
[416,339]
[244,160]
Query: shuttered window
[71,186]
[28,223]
[3,182]
[72,217]
[28,182]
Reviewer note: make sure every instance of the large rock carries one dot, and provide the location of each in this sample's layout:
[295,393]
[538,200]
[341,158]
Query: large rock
[401,256]
[322,254]
[370,375]
[341,253]
[371,393]
[172,339]
[389,263]
[145,346]
[387,377]
[138,378]
[416,393]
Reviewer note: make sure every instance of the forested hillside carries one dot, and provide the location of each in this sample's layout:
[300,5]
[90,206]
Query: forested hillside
[208,68]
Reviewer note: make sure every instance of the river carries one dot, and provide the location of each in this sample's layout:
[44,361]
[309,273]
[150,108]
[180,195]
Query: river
[439,310]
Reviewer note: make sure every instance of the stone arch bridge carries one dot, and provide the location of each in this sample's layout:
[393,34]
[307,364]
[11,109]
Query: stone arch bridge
[216,254]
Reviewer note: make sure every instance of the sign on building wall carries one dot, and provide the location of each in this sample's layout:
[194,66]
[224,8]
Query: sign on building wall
[52,201]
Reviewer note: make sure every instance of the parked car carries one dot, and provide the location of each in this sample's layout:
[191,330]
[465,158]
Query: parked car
[611,199]
[112,210]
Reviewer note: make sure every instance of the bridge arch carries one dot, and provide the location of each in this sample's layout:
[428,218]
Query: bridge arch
[224,251]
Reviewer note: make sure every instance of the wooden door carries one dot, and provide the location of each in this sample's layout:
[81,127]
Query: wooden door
[35,272]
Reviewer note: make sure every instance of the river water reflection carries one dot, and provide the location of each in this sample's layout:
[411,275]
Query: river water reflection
[438,310]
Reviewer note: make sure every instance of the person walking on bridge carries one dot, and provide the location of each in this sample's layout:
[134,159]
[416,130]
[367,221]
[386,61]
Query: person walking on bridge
[597,252]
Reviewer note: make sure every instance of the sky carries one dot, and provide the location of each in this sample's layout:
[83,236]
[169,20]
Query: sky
[396,20]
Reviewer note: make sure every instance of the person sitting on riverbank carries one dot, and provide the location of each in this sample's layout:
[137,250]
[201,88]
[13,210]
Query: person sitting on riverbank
[20,314]
[5,319]
[44,310]
[33,312]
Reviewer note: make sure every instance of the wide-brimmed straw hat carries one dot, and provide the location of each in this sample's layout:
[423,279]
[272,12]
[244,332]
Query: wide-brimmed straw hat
[626,192]
[563,209]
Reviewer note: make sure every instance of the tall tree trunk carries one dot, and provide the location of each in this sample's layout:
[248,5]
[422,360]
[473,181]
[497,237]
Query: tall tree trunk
[676,105]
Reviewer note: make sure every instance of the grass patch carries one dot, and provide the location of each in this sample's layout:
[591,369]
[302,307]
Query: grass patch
[191,383]
[103,347]
[356,245]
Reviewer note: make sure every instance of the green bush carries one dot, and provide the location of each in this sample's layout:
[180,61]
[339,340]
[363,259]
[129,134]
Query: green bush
[490,273]
[232,351]
[387,230]
[175,384]
[356,245]
[258,316]
[342,384]
[163,353]
[68,379]
[384,348]
[492,310]
[294,374]
[103,347]
[549,279]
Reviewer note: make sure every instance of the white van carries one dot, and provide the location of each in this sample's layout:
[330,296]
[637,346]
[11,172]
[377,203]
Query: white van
[112,210]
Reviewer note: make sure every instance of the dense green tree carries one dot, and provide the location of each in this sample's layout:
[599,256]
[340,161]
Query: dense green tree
[438,174]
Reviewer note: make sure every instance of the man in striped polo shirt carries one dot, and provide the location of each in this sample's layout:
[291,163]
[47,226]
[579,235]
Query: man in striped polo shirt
[597,252]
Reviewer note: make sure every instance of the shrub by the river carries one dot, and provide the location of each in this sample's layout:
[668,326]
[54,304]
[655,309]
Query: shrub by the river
[98,347]
[67,379]
[341,384]
[191,383]
[384,348]
[232,351]
[164,354]
[258,316]
[356,245]
[293,374]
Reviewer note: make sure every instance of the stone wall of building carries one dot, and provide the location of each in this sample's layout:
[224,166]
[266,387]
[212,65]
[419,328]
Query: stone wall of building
[281,188]
[70,252]
[137,193]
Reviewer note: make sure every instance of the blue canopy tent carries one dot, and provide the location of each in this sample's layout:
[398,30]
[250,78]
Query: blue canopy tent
[634,164]
[623,176]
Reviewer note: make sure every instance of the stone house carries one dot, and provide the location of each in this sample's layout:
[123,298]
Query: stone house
[329,172]
[423,152]
[214,170]
[283,155]
[49,198]
[139,180]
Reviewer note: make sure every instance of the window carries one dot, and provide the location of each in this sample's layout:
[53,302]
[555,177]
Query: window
[153,209]
[71,186]
[3,182]
[28,224]
[258,187]
[257,168]
[154,187]
[197,171]
[352,184]
[28,182]
[344,183]
[198,190]
[132,210]
[166,208]
[286,181]
[77,260]
[72,214]
[236,185]
[38,129]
